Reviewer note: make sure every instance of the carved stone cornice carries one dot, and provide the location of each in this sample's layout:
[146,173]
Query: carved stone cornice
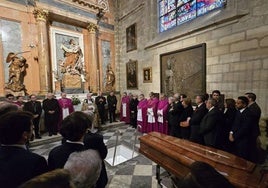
[90,5]
[40,14]
[92,28]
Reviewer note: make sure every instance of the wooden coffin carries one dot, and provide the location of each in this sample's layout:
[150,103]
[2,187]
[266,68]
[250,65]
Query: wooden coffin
[176,155]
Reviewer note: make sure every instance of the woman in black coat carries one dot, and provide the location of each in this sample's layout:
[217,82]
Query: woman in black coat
[229,116]
[185,117]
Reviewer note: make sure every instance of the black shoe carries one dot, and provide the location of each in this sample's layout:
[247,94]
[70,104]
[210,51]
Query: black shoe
[50,134]
[38,137]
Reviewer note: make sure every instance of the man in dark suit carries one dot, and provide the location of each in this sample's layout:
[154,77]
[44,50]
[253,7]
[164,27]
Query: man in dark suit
[17,164]
[52,114]
[199,112]
[242,128]
[35,108]
[73,130]
[216,94]
[75,139]
[95,141]
[255,112]
[210,124]
[133,110]
[100,101]
[175,110]
[112,102]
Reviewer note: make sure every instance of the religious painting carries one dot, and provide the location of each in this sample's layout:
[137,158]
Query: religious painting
[67,50]
[147,75]
[131,37]
[132,70]
[184,71]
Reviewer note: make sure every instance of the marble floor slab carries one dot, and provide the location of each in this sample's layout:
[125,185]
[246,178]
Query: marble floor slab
[136,172]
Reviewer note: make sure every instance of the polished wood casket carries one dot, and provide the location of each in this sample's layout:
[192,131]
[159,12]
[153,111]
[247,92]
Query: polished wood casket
[176,155]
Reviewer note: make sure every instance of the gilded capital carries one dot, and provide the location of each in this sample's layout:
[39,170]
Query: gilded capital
[92,27]
[40,14]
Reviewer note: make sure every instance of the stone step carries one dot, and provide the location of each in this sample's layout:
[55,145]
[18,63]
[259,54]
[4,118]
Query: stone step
[50,139]
[45,140]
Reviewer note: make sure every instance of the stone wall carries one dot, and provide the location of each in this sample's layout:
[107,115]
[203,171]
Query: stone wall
[236,38]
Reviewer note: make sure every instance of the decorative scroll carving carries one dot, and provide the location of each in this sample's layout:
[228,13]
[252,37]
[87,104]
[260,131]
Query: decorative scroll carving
[40,14]
[92,27]
[104,4]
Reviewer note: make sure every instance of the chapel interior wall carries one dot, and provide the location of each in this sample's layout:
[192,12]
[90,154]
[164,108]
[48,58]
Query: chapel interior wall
[237,46]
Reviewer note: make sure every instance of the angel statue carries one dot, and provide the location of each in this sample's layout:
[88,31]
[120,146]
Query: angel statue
[17,71]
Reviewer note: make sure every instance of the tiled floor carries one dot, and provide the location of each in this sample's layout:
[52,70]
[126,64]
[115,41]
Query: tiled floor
[138,172]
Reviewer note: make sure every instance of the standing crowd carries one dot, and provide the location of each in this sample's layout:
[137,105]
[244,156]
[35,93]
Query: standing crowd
[54,111]
[77,163]
[230,125]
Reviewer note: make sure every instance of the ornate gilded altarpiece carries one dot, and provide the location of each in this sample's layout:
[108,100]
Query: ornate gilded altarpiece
[184,71]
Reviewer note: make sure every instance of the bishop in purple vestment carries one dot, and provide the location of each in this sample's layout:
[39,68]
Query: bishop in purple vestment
[124,109]
[66,106]
[162,112]
[142,114]
[152,113]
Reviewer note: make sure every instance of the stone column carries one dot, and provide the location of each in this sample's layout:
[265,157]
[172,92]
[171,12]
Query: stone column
[93,69]
[2,77]
[41,17]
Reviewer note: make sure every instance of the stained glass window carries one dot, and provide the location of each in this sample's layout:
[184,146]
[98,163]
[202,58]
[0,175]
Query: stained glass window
[176,12]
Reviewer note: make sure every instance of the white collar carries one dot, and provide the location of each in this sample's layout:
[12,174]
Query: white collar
[251,103]
[211,108]
[241,110]
[75,142]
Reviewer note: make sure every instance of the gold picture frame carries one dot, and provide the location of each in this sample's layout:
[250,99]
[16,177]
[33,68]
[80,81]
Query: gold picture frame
[132,78]
[147,75]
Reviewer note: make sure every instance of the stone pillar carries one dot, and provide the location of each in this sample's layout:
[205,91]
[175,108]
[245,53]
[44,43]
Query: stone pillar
[2,77]
[93,69]
[41,17]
